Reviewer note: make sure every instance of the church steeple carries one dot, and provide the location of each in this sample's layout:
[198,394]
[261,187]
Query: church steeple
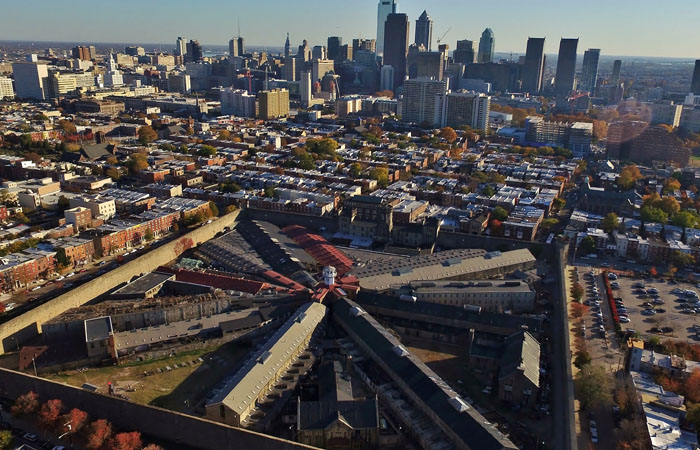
[287,47]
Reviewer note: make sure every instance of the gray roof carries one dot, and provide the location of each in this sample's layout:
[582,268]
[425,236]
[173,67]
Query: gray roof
[358,414]
[521,351]
[98,329]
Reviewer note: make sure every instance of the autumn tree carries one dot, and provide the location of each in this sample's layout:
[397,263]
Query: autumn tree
[224,135]
[77,420]
[147,135]
[381,174]
[99,433]
[578,310]
[6,439]
[126,441]
[692,387]
[610,222]
[548,224]
[582,359]
[499,213]
[628,177]
[577,291]
[67,127]
[137,162]
[26,404]
[592,386]
[50,412]
[448,134]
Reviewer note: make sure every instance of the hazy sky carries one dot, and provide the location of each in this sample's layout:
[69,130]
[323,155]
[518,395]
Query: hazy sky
[619,27]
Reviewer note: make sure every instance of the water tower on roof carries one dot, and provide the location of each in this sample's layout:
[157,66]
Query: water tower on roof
[329,274]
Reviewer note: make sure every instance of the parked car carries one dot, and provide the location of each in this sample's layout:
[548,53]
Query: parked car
[612,276]
[31,437]
[624,319]
[667,330]
[648,312]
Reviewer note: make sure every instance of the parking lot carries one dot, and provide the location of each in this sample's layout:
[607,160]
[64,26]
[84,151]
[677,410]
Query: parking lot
[675,312]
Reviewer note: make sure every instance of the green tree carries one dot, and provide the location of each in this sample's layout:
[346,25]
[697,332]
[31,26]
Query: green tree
[582,359]
[548,224]
[499,214]
[61,258]
[137,162]
[685,219]
[610,222]
[148,235]
[651,214]
[325,146]
[147,135]
[587,245]
[628,177]
[206,151]
[224,135]
[682,259]
[355,170]
[270,191]
[67,127]
[488,191]
[559,203]
[5,439]
[592,387]
[214,209]
[381,174]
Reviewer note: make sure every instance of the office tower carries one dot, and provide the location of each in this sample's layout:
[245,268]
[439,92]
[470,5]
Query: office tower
[236,46]
[467,108]
[423,100]
[487,45]
[533,69]
[287,47]
[424,31]
[134,50]
[304,52]
[83,52]
[273,104]
[503,77]
[589,71]
[113,77]
[464,53]
[346,53]
[425,64]
[386,82]
[396,34]
[320,67]
[6,89]
[181,46]
[241,45]
[319,52]
[566,67]
[615,76]
[695,83]
[369,45]
[384,8]
[237,102]
[179,82]
[305,88]
[31,80]
[194,51]
[289,69]
[334,44]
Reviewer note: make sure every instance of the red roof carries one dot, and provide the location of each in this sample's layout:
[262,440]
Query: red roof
[319,249]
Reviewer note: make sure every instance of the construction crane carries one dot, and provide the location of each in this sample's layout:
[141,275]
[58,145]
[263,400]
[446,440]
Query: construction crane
[443,36]
[249,76]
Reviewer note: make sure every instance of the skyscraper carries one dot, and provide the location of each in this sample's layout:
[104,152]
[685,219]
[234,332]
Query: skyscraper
[615,77]
[384,8]
[181,46]
[194,51]
[566,67]
[305,88]
[273,104]
[334,44]
[31,80]
[589,71]
[236,46]
[425,64]
[396,34]
[487,45]
[467,108]
[533,69]
[424,31]
[464,53]
[423,101]
[287,47]
[695,84]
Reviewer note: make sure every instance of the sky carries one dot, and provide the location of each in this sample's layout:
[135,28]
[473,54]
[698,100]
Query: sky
[619,27]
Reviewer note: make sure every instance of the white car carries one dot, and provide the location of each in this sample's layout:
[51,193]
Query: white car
[624,319]
[10,306]
[70,275]
[61,278]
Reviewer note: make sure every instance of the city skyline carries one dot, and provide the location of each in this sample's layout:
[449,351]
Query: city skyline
[152,23]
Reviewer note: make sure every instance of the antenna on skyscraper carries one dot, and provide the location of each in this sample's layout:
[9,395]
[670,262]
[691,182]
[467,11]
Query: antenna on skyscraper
[239,26]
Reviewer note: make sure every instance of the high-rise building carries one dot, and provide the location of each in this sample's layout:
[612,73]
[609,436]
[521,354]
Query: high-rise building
[464,53]
[637,141]
[589,71]
[83,52]
[615,76]
[425,64]
[236,46]
[194,51]
[287,47]
[237,102]
[396,33]
[487,46]
[424,31]
[574,136]
[386,82]
[533,69]
[467,108]
[423,101]
[6,89]
[369,45]
[113,77]
[304,53]
[133,50]
[320,67]
[31,80]
[180,82]
[384,8]
[289,69]
[181,46]
[273,104]
[334,44]
[319,52]
[305,88]
[695,83]
[566,67]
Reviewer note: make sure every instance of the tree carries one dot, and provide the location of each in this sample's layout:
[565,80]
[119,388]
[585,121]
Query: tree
[693,415]
[499,213]
[113,173]
[127,441]
[692,387]
[355,170]
[214,209]
[325,146]
[685,219]
[682,259]
[224,135]
[137,162]
[99,433]
[628,177]
[50,412]
[67,127]
[671,185]
[610,222]
[578,310]
[651,214]
[77,419]
[381,174]
[25,404]
[582,359]
[5,439]
[548,224]
[587,245]
[559,203]
[448,134]
[147,134]
[270,191]
[577,291]
[61,258]
[148,235]
[592,386]
[206,151]
[488,191]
